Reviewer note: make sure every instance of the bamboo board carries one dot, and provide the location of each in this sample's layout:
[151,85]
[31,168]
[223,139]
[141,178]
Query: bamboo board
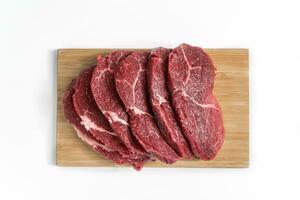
[231,89]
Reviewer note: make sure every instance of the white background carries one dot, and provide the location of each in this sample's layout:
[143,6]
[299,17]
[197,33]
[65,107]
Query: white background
[31,31]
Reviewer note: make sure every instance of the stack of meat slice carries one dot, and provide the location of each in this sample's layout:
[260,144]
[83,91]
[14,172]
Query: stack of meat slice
[138,106]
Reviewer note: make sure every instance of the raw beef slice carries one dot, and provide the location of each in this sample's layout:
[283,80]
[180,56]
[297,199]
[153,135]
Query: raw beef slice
[191,80]
[82,133]
[160,102]
[107,98]
[130,80]
[94,121]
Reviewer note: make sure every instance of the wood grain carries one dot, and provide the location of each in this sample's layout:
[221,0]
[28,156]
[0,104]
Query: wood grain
[231,89]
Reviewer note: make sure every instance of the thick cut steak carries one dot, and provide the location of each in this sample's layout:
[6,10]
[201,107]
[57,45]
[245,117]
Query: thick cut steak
[160,102]
[130,80]
[95,122]
[108,101]
[191,80]
[82,133]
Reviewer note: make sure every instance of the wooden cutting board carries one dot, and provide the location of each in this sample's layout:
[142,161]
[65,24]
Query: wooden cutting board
[231,89]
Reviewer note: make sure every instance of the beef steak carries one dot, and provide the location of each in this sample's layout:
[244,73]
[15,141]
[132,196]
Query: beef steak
[91,117]
[130,80]
[82,133]
[95,122]
[191,79]
[108,101]
[160,102]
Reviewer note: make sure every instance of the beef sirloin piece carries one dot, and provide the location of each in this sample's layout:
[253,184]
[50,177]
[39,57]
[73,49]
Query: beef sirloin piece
[130,80]
[191,80]
[107,98]
[95,122]
[91,117]
[160,102]
[82,133]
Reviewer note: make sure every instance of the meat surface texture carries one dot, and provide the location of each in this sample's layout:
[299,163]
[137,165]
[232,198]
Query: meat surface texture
[95,122]
[130,80]
[191,80]
[160,102]
[91,117]
[108,101]
[82,133]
